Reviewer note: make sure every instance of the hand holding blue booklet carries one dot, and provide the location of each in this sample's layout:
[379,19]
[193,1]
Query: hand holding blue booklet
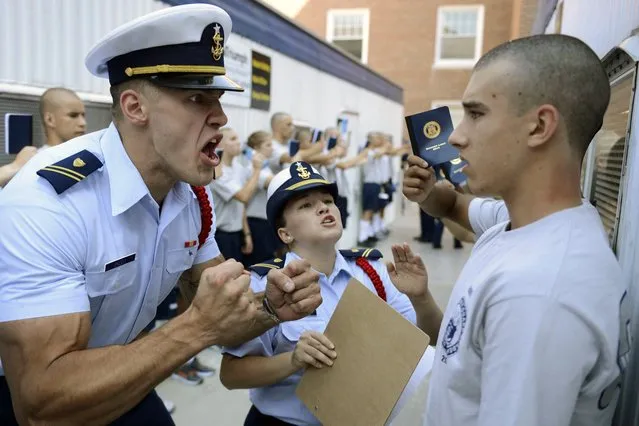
[428,132]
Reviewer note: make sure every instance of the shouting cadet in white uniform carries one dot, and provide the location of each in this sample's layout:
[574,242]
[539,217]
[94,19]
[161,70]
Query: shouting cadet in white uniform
[536,328]
[97,231]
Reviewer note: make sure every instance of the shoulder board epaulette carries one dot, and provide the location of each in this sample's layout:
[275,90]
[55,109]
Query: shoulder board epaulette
[367,253]
[71,170]
[262,268]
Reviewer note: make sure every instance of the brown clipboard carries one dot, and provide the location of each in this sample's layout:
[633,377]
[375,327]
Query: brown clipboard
[377,351]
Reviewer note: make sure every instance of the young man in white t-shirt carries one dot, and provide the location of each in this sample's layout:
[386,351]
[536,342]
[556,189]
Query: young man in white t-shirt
[536,328]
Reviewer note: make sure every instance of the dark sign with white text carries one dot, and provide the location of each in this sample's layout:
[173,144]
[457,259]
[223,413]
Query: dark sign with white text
[261,81]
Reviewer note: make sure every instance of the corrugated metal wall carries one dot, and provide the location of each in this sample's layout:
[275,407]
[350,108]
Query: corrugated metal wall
[601,24]
[35,34]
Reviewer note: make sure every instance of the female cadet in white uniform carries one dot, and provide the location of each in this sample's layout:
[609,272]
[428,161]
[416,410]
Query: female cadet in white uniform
[371,188]
[232,189]
[97,231]
[264,237]
[302,210]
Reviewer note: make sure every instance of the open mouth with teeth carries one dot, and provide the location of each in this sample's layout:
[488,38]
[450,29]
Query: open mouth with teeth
[328,220]
[209,157]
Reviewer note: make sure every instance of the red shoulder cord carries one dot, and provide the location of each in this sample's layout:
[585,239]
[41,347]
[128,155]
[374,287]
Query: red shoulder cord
[206,213]
[373,275]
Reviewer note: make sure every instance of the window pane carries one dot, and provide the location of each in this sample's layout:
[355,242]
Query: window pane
[348,26]
[457,48]
[459,34]
[354,47]
[610,145]
[460,22]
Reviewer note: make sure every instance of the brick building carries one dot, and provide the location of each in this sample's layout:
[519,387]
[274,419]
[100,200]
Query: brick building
[426,46]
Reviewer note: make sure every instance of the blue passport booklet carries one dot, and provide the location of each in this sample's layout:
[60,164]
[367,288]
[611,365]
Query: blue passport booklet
[428,132]
[454,171]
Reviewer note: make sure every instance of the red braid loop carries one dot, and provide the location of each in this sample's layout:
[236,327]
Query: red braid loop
[206,213]
[373,275]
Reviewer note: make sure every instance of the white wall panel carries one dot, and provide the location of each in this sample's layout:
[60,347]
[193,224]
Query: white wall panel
[602,24]
[44,42]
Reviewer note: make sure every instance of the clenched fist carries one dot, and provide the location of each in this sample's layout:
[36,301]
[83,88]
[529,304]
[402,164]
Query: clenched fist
[224,305]
[294,291]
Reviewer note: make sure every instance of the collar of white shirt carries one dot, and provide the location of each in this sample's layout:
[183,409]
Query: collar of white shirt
[340,265]
[124,174]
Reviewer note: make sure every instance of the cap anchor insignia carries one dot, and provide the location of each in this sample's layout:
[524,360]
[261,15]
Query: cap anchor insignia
[302,171]
[218,48]
[180,47]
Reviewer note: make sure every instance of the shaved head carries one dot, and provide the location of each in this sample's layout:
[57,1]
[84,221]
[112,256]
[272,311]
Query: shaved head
[282,126]
[63,115]
[277,118]
[561,71]
[53,98]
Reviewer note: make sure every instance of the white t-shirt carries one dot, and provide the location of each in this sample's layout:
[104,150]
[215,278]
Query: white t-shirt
[371,169]
[229,210]
[385,169]
[256,207]
[343,188]
[274,160]
[534,333]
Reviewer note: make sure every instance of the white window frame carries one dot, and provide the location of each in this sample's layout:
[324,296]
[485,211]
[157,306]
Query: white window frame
[365,13]
[479,41]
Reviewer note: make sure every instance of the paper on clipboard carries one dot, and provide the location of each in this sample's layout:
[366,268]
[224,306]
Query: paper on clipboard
[377,353]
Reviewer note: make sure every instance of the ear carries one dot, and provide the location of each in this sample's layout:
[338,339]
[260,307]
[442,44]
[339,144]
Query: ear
[49,119]
[543,126]
[285,236]
[133,107]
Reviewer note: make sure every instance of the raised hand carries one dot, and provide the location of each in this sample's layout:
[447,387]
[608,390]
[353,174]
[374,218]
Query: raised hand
[408,272]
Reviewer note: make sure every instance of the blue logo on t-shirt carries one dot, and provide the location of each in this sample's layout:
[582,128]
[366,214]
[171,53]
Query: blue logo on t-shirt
[454,330]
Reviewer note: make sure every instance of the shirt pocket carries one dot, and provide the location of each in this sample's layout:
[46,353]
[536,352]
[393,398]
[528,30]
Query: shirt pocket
[293,330]
[179,260]
[104,283]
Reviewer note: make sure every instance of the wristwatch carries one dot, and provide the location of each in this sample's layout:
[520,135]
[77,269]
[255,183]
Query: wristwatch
[269,311]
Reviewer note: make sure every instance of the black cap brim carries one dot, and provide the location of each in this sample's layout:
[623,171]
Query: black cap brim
[195,81]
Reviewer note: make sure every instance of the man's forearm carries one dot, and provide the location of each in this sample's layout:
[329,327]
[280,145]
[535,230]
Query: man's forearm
[429,316]
[440,202]
[96,386]
[263,321]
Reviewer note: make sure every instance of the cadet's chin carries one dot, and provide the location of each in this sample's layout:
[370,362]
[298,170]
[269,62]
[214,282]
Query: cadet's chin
[332,235]
[204,177]
[478,189]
